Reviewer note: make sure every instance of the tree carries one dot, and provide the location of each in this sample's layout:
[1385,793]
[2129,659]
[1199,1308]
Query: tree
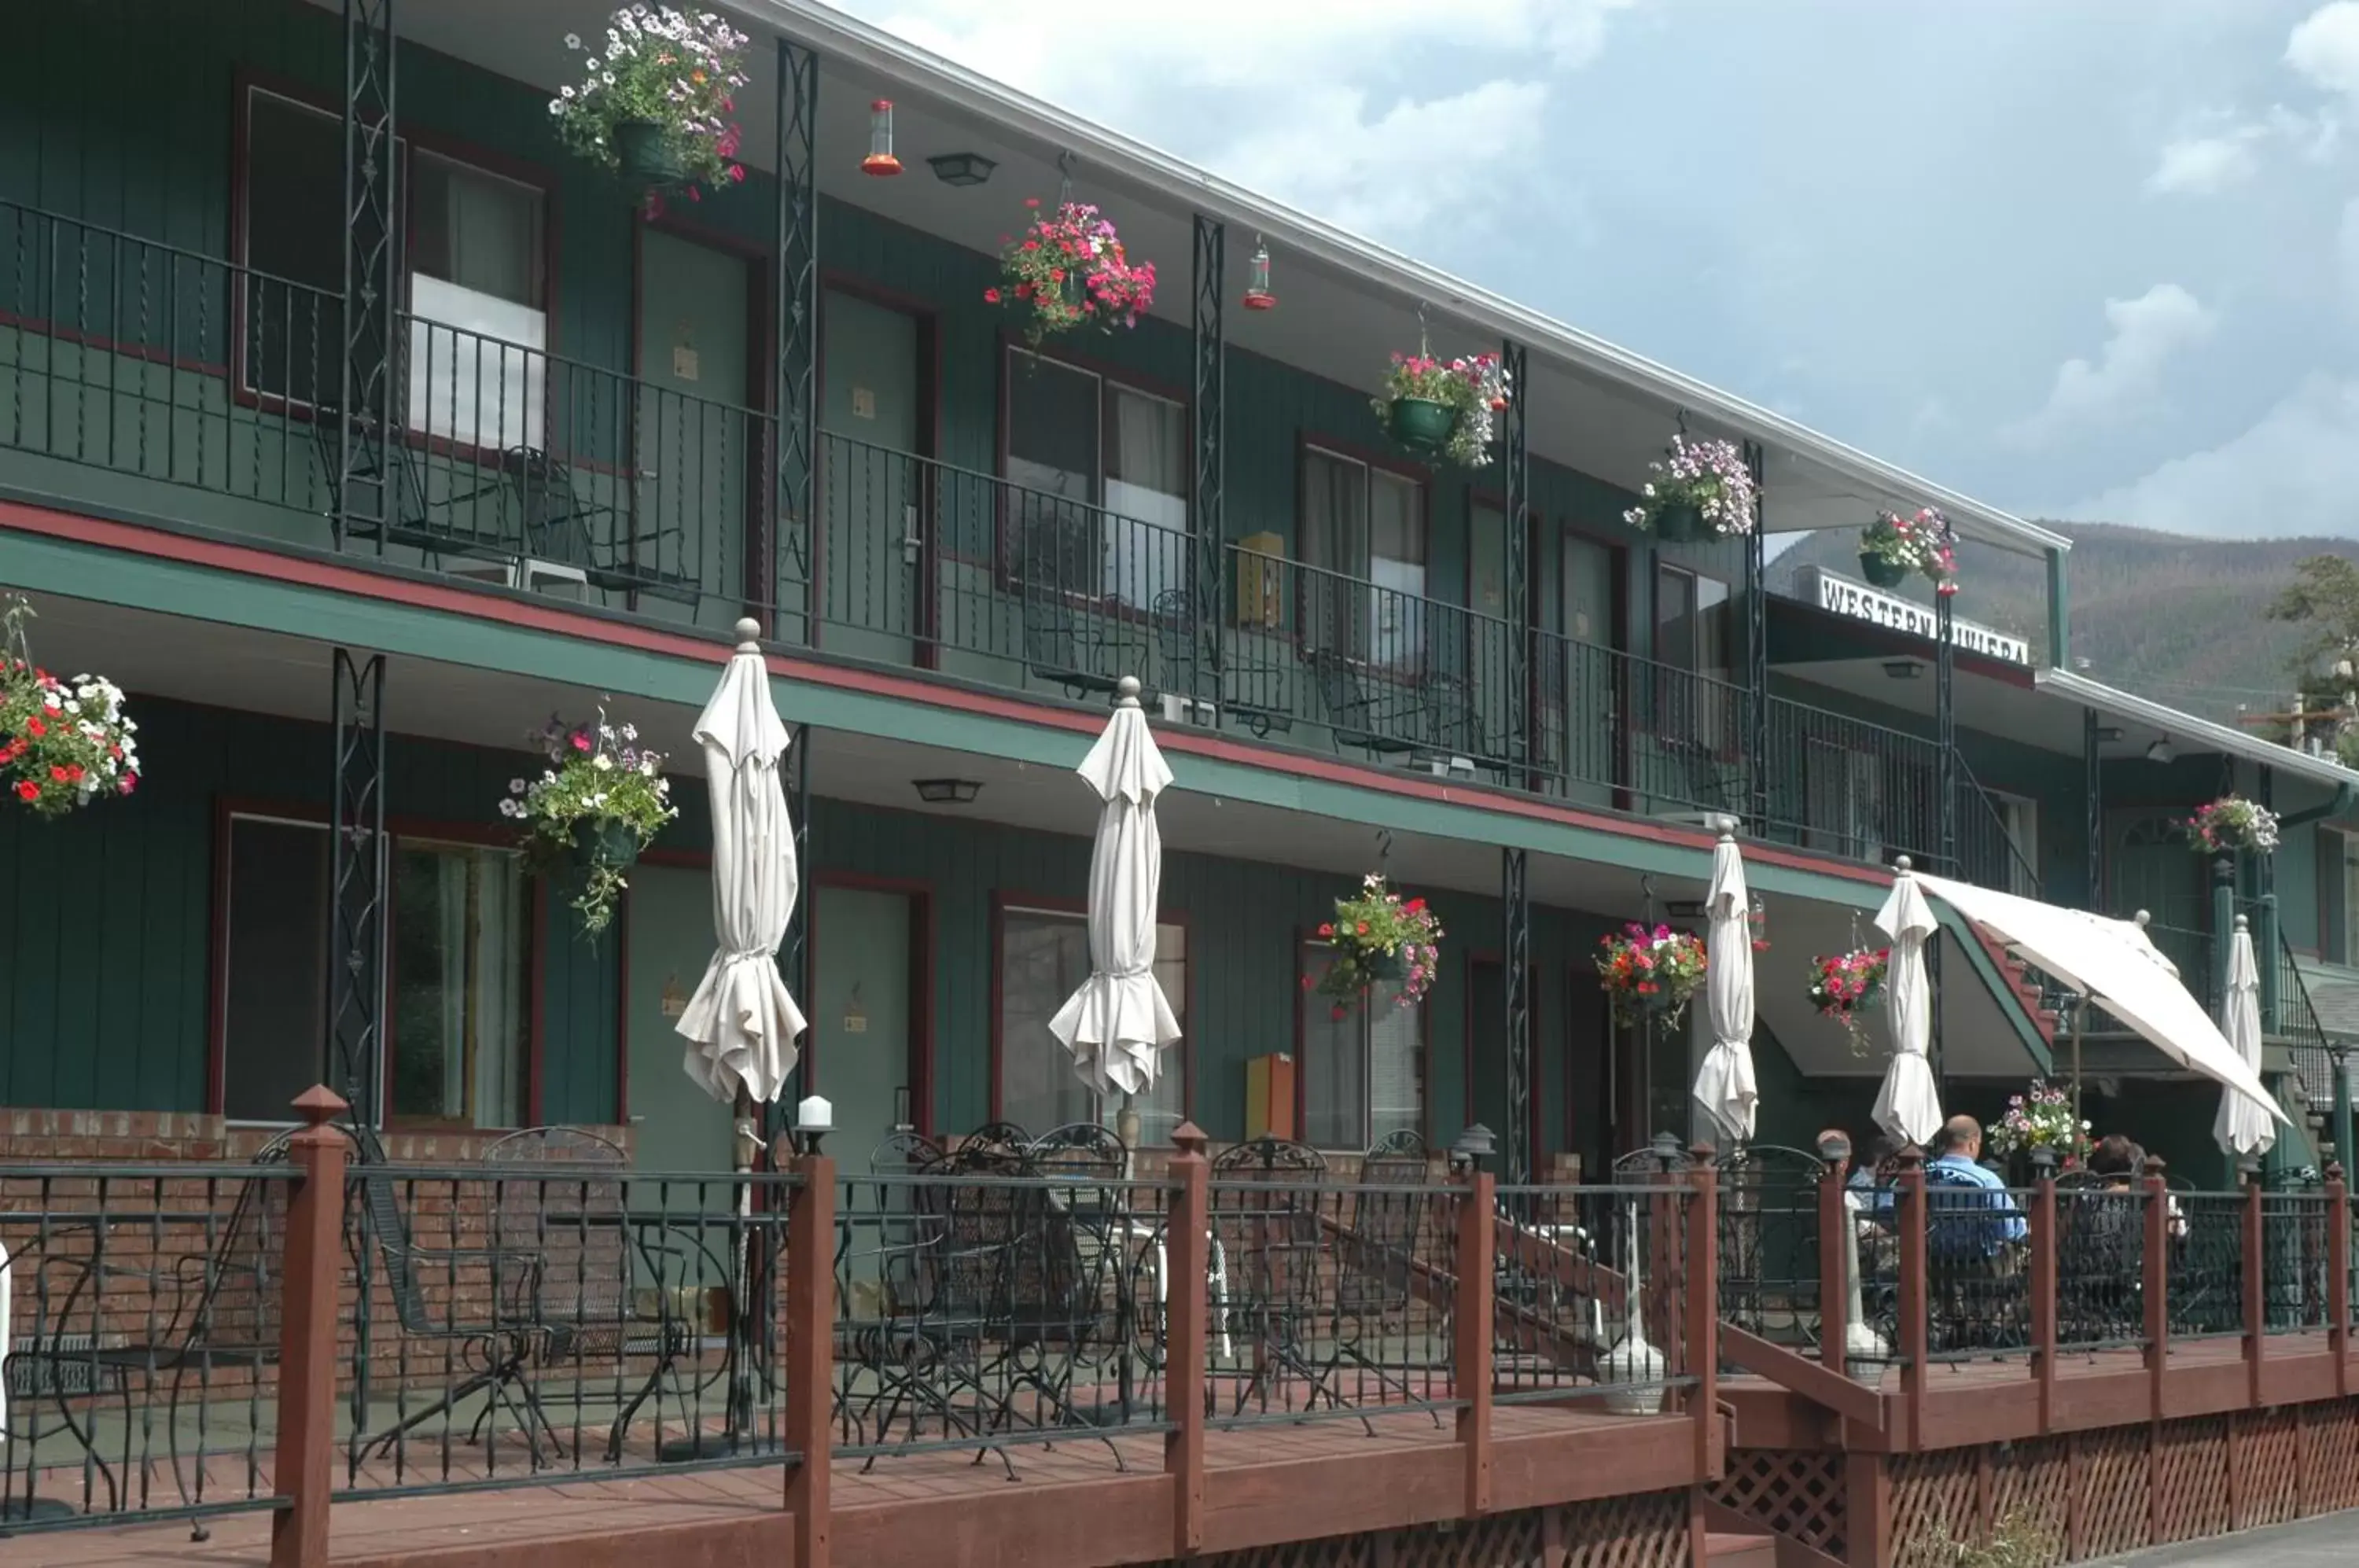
[2324,596]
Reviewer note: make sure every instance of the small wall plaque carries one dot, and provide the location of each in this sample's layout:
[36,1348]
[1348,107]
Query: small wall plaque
[675,1000]
[864,403]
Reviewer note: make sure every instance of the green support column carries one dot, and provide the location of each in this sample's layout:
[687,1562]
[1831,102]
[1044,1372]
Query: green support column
[2264,959]
[2060,614]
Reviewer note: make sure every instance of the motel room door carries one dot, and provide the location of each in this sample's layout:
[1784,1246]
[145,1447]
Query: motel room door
[873,540]
[677,1128]
[863,1053]
[698,449]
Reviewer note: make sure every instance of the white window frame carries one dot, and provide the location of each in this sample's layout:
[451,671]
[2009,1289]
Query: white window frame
[1364,1026]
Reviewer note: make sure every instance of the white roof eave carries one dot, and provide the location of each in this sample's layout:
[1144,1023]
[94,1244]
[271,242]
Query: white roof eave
[901,63]
[2211,734]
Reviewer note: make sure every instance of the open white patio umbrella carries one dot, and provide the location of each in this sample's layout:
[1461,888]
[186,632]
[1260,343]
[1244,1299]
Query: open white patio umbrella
[1725,1084]
[1909,1106]
[1118,1023]
[2243,1124]
[741,1024]
[2115,966]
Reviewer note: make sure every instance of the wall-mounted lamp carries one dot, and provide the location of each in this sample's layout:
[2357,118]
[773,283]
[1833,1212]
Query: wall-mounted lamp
[2162,751]
[947,792]
[1902,669]
[960,169]
[2110,734]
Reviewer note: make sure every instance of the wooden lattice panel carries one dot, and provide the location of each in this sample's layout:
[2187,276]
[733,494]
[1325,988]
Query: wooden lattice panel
[1649,1530]
[2190,1480]
[1330,1552]
[2034,1481]
[1497,1541]
[2268,1489]
[1933,1498]
[1797,1495]
[2115,1507]
[2329,1456]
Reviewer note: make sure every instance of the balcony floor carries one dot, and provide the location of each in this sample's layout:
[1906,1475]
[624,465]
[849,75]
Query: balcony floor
[1068,1504]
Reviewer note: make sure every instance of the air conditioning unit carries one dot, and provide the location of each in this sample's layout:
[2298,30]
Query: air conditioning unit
[1184,709]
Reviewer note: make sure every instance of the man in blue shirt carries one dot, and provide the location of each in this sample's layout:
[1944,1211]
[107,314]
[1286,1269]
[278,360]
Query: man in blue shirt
[1957,1150]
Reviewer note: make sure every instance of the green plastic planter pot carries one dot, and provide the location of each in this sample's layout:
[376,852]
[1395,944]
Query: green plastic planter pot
[1881,573]
[1680,525]
[645,153]
[1421,424]
[609,844]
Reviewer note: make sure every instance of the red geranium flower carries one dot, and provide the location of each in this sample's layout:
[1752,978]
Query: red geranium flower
[28,791]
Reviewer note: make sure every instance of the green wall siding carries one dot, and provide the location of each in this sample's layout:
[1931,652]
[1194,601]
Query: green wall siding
[106,922]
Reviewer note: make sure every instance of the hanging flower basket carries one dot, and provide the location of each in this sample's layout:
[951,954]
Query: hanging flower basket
[1434,409]
[63,744]
[2232,825]
[598,804]
[2040,1118]
[1846,984]
[1699,489]
[1892,548]
[1069,270]
[1380,938]
[657,97]
[1650,974]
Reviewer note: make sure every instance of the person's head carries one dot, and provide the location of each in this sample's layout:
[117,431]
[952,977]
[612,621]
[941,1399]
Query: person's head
[2116,1156]
[1961,1136]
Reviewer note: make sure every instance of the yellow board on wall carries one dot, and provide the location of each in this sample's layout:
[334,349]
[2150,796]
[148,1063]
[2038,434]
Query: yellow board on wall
[1269,1096]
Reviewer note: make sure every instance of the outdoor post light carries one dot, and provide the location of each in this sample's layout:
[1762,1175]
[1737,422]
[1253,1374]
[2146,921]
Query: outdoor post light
[1472,1145]
[814,1119]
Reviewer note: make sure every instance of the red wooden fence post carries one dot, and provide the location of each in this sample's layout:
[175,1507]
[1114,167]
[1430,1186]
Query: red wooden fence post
[2255,1312]
[810,1354]
[1835,1277]
[2338,1275]
[1702,1340]
[1187,1264]
[2153,1284]
[1470,1310]
[1915,1339]
[2043,1297]
[305,1470]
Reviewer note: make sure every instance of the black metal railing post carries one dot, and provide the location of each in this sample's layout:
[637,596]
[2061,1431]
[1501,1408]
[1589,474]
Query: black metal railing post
[1515,909]
[2093,771]
[1756,638]
[355,935]
[795,516]
[1514,552]
[1210,519]
[364,493]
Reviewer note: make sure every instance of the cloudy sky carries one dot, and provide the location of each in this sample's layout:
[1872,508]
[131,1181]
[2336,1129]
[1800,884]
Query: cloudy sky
[2092,259]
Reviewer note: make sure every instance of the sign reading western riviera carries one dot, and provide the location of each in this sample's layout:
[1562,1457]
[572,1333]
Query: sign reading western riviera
[1861,602]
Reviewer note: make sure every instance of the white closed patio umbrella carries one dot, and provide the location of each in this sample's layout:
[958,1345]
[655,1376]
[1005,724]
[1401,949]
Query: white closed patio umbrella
[1118,1024]
[2243,1125]
[1909,1106]
[741,1024]
[1725,1084]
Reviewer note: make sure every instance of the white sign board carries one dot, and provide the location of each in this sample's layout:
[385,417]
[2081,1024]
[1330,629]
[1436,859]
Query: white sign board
[1858,602]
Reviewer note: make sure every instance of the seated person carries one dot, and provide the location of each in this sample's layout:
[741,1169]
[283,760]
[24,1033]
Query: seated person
[1960,1223]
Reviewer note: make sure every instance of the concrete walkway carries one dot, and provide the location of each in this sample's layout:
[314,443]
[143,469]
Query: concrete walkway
[2311,1543]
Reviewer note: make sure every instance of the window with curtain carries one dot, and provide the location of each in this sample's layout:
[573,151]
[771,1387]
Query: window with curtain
[1691,638]
[1363,529]
[458,978]
[1105,469]
[460,932]
[2349,885]
[1362,1074]
[1044,956]
[291,341]
[479,326]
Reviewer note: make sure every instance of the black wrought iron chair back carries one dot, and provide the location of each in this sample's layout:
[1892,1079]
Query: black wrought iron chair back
[997,1140]
[1381,1332]
[486,1327]
[1082,1151]
[563,1206]
[209,1313]
[1980,1299]
[904,1150]
[1267,1224]
[1770,1241]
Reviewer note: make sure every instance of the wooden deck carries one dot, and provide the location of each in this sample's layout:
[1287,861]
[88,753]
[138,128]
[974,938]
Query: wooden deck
[2004,1398]
[1079,1502]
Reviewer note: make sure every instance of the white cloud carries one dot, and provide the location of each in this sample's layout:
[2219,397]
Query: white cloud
[2295,472]
[2324,47]
[2206,166]
[2126,376]
[1299,98]
[2346,258]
